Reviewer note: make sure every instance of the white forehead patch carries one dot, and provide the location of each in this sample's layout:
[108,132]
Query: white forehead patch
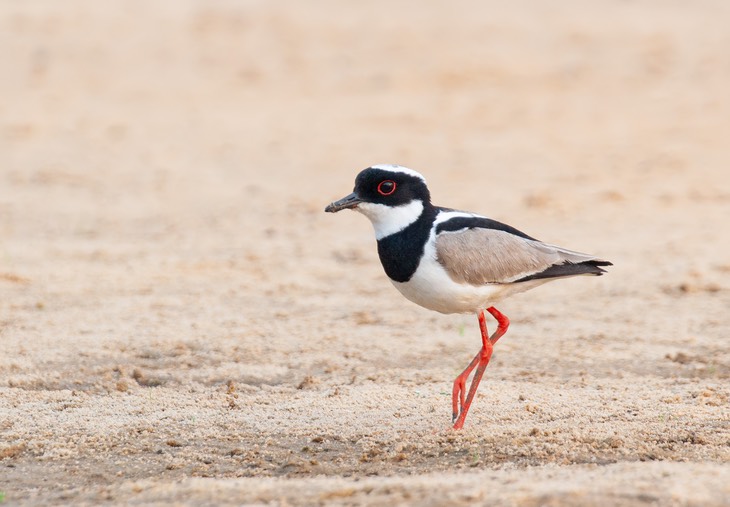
[388,220]
[399,169]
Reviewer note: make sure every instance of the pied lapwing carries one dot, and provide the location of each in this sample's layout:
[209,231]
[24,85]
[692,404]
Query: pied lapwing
[454,261]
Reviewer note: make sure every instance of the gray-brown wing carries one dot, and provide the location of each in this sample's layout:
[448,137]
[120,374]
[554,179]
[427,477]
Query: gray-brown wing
[479,255]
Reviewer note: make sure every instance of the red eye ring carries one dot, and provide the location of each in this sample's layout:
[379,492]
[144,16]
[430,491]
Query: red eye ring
[389,189]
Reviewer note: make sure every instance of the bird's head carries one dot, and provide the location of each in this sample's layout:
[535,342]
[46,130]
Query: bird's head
[391,196]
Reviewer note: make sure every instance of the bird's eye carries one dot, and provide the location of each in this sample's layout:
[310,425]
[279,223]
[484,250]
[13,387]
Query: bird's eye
[386,187]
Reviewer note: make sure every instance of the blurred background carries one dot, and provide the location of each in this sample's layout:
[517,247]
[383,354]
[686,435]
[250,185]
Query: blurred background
[204,129]
[175,101]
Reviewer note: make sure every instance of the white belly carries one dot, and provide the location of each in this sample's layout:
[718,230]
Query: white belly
[432,288]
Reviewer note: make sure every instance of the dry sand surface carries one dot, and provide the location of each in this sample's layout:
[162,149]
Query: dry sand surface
[181,323]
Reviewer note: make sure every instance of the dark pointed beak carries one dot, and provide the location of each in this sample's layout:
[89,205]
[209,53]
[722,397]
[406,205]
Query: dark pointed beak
[349,201]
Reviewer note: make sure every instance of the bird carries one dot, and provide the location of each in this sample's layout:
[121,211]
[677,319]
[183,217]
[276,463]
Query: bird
[455,262]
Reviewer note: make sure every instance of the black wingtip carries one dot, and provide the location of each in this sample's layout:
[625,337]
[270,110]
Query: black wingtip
[596,264]
[569,269]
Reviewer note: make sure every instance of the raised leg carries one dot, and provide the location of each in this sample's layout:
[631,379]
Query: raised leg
[459,400]
[502,324]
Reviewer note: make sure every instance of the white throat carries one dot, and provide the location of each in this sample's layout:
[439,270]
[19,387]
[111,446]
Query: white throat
[388,220]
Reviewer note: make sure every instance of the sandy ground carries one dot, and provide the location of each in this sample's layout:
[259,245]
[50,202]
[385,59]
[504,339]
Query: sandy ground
[181,323]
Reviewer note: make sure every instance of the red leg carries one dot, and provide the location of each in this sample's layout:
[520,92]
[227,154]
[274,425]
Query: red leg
[459,391]
[460,406]
[502,324]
